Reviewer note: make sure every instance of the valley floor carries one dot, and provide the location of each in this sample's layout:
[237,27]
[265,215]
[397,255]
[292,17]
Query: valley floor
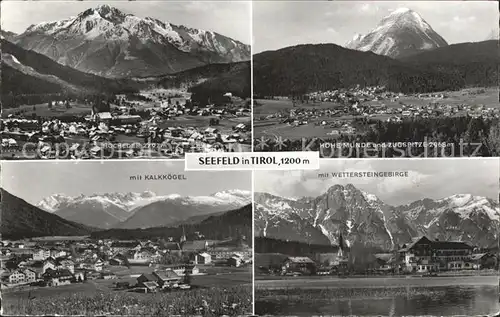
[220,292]
[272,127]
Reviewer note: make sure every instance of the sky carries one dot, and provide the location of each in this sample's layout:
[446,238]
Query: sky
[231,19]
[33,181]
[429,178]
[279,24]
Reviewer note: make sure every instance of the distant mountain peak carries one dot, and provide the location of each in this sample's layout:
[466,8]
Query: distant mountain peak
[400,33]
[364,218]
[104,40]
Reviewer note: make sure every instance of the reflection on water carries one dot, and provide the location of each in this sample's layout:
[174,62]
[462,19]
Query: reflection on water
[439,300]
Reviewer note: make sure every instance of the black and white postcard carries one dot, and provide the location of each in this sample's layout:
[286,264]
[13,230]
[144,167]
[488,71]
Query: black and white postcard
[378,238]
[124,79]
[356,79]
[125,238]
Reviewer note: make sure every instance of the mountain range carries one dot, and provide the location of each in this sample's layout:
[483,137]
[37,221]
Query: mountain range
[235,225]
[20,219]
[110,43]
[141,210]
[401,33]
[402,53]
[364,219]
[29,77]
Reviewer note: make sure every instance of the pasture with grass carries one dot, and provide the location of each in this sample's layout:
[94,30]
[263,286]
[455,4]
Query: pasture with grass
[214,301]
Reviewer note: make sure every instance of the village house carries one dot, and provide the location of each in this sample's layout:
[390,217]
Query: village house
[235,261]
[385,262]
[68,265]
[17,277]
[92,264]
[484,261]
[181,269]
[121,246]
[140,257]
[30,275]
[303,265]
[41,254]
[423,255]
[224,253]
[202,258]
[6,252]
[49,263]
[58,277]
[157,279]
[166,278]
[57,253]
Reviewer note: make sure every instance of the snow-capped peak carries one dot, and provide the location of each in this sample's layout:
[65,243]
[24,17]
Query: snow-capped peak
[108,23]
[465,204]
[53,202]
[233,192]
[130,201]
[401,32]
[369,197]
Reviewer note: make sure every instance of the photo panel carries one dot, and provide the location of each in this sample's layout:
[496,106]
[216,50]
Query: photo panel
[378,238]
[125,238]
[368,79]
[125,79]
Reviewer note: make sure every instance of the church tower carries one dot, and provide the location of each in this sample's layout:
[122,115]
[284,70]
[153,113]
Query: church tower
[183,237]
[340,253]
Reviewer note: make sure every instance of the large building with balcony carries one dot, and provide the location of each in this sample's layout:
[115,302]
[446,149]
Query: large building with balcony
[423,255]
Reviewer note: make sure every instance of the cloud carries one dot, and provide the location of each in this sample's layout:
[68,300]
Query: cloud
[331,30]
[198,6]
[368,8]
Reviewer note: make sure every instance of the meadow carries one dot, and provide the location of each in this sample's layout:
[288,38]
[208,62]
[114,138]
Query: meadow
[222,291]
[213,301]
[42,110]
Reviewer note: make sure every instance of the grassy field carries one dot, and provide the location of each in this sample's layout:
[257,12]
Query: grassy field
[214,301]
[43,110]
[227,291]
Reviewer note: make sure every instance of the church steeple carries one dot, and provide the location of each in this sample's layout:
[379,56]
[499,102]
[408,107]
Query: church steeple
[341,246]
[183,237]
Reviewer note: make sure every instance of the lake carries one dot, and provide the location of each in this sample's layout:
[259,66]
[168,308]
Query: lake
[398,296]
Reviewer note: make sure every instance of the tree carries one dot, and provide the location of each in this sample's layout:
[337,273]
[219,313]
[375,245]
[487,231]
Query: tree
[493,141]
[187,274]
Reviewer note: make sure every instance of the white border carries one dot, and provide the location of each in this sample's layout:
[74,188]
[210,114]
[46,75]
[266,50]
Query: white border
[270,153]
[252,150]
[251,76]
